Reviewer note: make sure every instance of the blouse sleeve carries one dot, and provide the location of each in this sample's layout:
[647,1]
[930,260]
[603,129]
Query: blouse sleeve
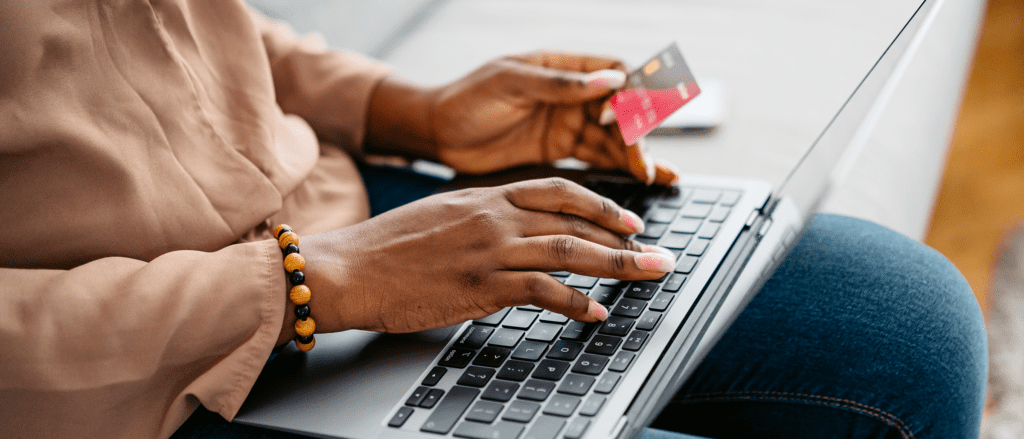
[329,89]
[124,348]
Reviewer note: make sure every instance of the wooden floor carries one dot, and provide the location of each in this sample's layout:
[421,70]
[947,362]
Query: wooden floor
[982,196]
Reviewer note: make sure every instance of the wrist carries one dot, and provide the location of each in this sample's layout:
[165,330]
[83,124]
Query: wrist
[399,121]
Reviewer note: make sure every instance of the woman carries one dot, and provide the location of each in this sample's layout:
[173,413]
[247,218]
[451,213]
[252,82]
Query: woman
[150,149]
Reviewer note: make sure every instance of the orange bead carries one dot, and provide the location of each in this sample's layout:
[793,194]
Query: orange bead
[305,347]
[305,327]
[294,262]
[299,294]
[279,228]
[288,238]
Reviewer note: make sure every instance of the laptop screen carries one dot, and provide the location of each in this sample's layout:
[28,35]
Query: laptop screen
[830,156]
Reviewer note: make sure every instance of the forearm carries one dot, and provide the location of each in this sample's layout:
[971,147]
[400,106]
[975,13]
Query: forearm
[398,120]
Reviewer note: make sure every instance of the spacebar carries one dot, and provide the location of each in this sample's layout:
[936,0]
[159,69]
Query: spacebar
[450,410]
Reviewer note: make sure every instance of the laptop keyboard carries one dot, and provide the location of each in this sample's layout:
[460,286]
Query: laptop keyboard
[529,373]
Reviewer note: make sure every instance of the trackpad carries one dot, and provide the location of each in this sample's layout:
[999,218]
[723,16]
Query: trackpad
[343,387]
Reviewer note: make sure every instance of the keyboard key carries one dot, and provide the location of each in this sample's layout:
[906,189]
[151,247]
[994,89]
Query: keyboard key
[662,215]
[576,384]
[529,351]
[561,405]
[531,308]
[675,283]
[653,230]
[661,302]
[476,376]
[493,319]
[560,274]
[589,364]
[546,427]
[621,362]
[614,283]
[433,396]
[434,376]
[500,391]
[553,317]
[501,430]
[603,345]
[551,370]
[648,241]
[629,308]
[515,370]
[474,337]
[576,428]
[456,357]
[718,214]
[506,338]
[565,350]
[708,230]
[545,332]
[607,383]
[685,264]
[484,411]
[605,295]
[697,247]
[450,410]
[581,281]
[707,196]
[641,290]
[729,198]
[579,331]
[592,405]
[686,225]
[491,356]
[537,390]
[521,411]
[519,319]
[399,419]
[616,326]
[634,341]
[417,396]
[675,240]
[695,210]
[648,321]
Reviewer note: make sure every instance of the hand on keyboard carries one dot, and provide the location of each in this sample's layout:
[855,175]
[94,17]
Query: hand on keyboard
[465,255]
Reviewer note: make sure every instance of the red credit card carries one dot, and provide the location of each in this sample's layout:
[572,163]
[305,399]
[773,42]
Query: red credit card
[654,91]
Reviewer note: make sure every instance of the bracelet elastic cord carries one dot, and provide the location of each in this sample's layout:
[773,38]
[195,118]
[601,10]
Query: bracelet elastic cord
[299,293]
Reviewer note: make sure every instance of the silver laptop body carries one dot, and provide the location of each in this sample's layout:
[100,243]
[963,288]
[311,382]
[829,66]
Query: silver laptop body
[363,385]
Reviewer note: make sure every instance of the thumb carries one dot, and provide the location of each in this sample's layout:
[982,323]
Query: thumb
[566,87]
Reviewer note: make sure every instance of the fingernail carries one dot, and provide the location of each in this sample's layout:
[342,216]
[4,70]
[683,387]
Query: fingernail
[646,248]
[651,171]
[632,220]
[607,115]
[605,79]
[655,262]
[665,169]
[598,311]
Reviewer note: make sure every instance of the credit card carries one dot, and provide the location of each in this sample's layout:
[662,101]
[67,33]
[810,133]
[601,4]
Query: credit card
[653,92]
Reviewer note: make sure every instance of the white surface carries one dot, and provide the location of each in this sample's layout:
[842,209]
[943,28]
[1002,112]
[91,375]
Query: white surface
[789,65]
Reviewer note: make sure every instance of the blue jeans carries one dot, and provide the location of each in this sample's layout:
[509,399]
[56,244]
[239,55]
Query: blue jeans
[861,333]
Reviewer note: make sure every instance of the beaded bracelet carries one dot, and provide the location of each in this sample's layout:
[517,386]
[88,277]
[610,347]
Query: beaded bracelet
[299,293]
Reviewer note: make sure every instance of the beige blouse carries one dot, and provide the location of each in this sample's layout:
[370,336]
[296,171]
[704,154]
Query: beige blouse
[145,149]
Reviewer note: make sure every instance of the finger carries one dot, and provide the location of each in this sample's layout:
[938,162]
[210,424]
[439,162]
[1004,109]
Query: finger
[547,223]
[639,163]
[563,196]
[607,115]
[576,255]
[666,174]
[572,61]
[546,292]
[556,86]
[596,157]
[566,124]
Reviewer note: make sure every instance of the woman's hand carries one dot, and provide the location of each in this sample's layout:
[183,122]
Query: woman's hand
[516,110]
[465,255]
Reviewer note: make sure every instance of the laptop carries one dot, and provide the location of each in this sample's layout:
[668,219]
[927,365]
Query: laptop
[527,373]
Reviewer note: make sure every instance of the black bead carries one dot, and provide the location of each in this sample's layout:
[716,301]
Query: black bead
[290,249]
[282,232]
[302,311]
[304,340]
[297,277]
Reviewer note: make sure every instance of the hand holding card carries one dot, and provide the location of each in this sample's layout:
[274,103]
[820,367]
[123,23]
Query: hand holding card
[654,91]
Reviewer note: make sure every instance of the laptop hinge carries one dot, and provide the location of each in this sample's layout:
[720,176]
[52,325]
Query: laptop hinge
[751,218]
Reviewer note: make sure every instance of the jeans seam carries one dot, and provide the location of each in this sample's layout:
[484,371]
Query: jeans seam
[875,412]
